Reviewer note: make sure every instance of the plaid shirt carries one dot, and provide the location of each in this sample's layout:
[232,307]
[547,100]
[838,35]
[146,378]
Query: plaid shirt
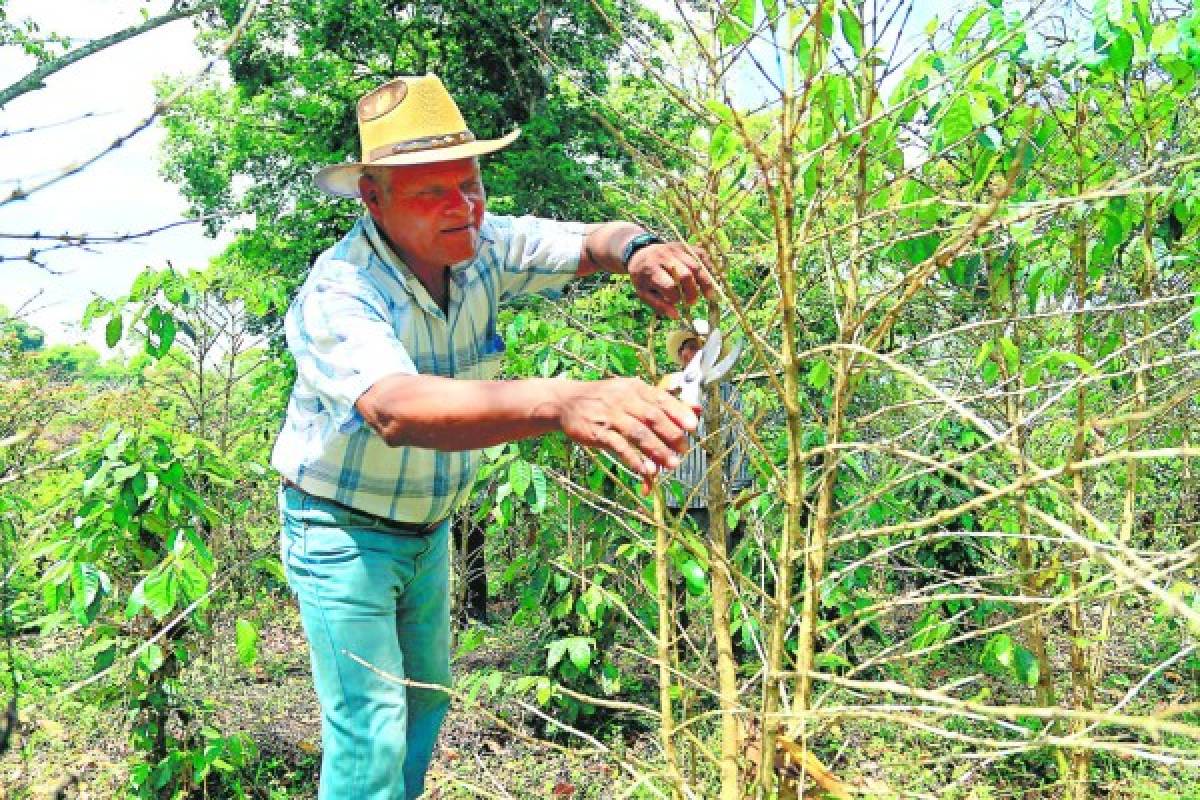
[362,315]
[691,491]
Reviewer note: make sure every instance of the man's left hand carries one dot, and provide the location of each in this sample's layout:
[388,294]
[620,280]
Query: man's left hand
[665,275]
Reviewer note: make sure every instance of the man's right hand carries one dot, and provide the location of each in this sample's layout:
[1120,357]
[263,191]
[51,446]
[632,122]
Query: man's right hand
[643,426]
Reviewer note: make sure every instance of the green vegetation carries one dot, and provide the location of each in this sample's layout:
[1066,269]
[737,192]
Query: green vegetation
[966,275]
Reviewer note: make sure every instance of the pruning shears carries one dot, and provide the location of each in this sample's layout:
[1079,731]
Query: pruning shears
[702,371]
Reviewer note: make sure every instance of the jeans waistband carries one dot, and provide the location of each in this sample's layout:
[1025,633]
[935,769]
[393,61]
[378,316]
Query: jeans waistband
[405,527]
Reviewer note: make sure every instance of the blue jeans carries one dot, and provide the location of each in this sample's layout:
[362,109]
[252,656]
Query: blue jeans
[384,596]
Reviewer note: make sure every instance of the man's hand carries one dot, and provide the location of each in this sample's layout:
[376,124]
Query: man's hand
[665,275]
[643,426]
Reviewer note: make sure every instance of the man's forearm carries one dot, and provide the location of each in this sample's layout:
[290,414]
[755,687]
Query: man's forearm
[603,245]
[450,414]
[642,425]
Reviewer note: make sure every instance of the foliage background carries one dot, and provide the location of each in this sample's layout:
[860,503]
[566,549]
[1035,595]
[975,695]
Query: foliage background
[964,270]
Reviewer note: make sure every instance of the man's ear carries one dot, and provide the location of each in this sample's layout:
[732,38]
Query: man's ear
[368,190]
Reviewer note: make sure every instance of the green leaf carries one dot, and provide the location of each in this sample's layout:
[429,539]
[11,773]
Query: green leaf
[112,331]
[981,111]
[1033,374]
[580,650]
[166,335]
[562,582]
[202,552]
[159,589]
[192,581]
[957,121]
[538,481]
[999,654]
[1026,667]
[931,629]
[721,111]
[967,25]
[1012,356]
[831,661]
[151,658]
[732,516]
[744,11]
[650,578]
[1120,51]
[722,145]
[694,577]
[819,374]
[731,32]
[555,652]
[247,642]
[984,351]
[519,476]
[593,603]
[89,587]
[852,30]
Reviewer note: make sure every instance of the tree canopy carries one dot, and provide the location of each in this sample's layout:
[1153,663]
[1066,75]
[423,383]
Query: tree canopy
[252,148]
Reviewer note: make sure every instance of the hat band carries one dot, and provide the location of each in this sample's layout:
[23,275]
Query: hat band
[424,143]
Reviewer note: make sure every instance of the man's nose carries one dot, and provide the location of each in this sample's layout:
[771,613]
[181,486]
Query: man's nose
[459,201]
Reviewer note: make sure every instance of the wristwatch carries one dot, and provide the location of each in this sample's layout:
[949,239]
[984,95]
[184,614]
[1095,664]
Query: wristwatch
[644,239]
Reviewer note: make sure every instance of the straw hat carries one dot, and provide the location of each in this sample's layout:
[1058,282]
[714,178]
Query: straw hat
[697,329]
[408,120]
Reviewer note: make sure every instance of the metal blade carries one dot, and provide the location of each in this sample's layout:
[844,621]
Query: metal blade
[710,351]
[718,370]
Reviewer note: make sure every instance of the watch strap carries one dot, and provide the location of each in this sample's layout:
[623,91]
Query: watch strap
[644,239]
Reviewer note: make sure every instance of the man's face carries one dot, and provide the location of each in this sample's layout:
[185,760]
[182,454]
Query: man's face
[433,214]
[688,350]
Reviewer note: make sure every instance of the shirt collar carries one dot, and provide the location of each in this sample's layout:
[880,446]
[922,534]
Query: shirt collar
[385,252]
[458,272]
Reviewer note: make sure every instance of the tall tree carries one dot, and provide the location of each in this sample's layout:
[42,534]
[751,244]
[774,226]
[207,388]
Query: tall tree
[252,148]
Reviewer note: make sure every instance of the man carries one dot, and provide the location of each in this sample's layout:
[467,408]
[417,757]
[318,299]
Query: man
[395,342]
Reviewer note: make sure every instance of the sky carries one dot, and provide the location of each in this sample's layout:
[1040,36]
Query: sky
[121,193]
[124,192]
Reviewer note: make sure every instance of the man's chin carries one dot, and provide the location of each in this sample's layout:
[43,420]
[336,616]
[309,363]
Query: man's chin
[464,245]
[461,255]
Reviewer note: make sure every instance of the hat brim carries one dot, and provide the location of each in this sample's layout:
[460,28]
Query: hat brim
[341,180]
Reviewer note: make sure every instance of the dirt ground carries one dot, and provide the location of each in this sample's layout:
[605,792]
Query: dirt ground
[71,747]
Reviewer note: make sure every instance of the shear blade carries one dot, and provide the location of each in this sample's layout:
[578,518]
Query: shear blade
[714,373]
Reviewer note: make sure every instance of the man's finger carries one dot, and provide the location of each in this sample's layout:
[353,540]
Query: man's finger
[616,444]
[665,280]
[647,442]
[655,300]
[704,277]
[700,271]
[680,413]
[668,430]
[685,279]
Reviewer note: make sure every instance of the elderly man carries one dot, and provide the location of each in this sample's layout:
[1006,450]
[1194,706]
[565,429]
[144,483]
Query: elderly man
[394,335]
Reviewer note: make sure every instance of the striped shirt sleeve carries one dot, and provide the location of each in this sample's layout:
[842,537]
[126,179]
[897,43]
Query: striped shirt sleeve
[339,331]
[537,256]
